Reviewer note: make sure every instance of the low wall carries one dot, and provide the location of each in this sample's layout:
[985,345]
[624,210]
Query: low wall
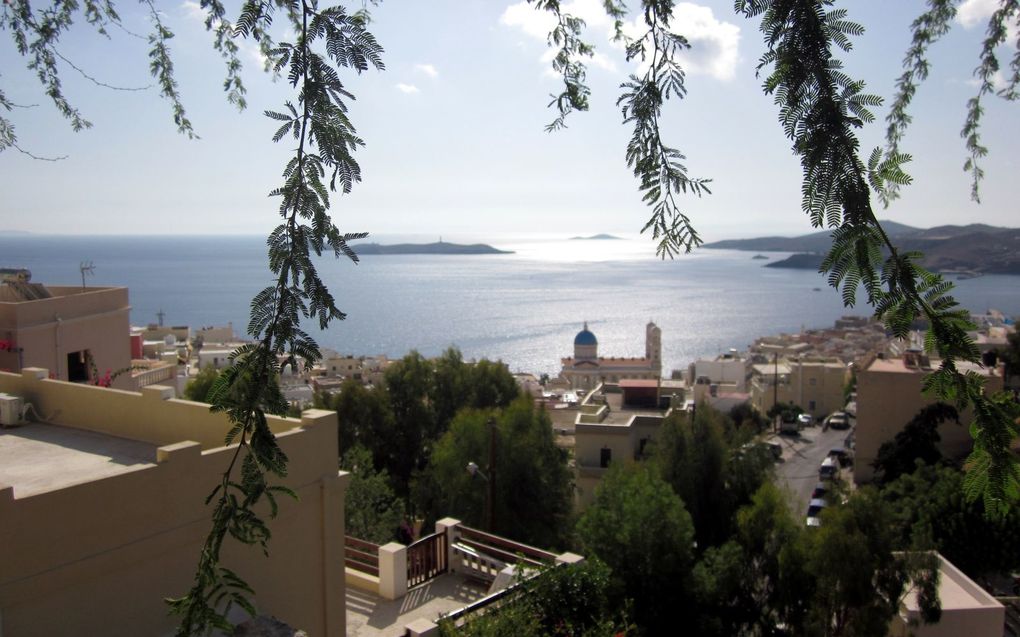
[98,558]
[151,415]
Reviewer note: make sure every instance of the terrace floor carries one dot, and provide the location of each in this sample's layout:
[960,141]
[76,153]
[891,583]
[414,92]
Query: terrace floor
[37,457]
[369,615]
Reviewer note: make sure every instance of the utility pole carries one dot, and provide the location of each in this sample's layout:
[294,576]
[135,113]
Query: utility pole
[775,384]
[492,475]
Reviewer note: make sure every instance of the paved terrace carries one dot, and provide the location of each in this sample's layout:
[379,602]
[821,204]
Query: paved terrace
[369,615]
[36,458]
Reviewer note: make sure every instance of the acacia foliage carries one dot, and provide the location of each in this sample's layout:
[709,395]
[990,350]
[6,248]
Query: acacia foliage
[326,39]
[820,107]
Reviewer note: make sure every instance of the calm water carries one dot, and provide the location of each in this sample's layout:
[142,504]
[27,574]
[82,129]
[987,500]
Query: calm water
[523,308]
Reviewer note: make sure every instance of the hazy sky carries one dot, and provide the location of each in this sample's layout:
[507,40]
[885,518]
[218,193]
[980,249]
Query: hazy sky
[454,130]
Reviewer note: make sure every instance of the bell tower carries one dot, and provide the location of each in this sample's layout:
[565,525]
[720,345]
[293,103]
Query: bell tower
[653,346]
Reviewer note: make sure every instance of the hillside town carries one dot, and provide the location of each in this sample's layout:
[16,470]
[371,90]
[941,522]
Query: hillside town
[95,411]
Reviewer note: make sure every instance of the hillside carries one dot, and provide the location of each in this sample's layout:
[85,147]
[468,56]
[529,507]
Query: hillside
[439,247]
[974,248]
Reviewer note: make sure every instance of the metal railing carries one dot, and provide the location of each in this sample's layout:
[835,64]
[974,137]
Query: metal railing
[426,559]
[361,555]
[507,550]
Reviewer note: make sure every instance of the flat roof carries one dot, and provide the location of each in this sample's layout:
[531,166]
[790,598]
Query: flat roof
[956,591]
[36,458]
[895,365]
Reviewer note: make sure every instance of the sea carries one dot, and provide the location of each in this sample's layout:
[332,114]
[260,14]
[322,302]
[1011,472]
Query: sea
[522,308]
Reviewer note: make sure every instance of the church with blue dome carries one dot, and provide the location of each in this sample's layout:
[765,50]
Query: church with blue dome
[586,370]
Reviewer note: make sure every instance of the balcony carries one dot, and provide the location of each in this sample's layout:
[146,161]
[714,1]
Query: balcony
[395,590]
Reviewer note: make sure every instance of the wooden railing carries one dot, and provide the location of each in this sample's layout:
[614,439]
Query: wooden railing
[361,555]
[426,559]
[507,550]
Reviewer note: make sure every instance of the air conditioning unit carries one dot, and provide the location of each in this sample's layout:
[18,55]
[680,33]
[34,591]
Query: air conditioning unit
[11,410]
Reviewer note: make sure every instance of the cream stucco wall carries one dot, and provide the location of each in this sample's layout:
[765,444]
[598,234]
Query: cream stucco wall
[98,557]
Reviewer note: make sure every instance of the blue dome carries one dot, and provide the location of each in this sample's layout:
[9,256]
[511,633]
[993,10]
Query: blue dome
[584,337]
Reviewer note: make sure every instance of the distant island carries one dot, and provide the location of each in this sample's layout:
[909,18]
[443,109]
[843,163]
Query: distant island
[597,237]
[758,257]
[973,249]
[439,247]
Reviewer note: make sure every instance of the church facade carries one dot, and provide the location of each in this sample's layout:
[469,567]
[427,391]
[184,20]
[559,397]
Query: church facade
[586,369]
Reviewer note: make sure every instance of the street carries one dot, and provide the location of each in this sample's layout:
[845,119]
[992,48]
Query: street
[797,472]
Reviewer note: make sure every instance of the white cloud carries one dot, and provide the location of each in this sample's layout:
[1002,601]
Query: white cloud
[427,69]
[971,12]
[714,43]
[407,88]
[535,23]
[974,13]
[193,10]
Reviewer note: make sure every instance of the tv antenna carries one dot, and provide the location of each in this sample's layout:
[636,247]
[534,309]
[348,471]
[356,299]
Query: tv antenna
[160,314]
[86,267]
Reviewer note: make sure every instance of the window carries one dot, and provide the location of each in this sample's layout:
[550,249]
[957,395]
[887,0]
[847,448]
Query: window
[813,381]
[605,456]
[811,405]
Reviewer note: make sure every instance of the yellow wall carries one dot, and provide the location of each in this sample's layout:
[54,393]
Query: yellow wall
[98,558]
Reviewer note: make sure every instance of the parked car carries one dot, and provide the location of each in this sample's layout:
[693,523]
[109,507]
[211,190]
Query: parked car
[820,490]
[838,420]
[776,449]
[842,456]
[814,511]
[791,427]
[828,469]
[805,420]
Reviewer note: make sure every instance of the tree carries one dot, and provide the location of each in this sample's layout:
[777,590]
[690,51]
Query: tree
[409,384]
[373,510]
[198,387]
[638,526]
[570,600]
[711,478]
[366,421]
[917,442]
[856,596]
[531,474]
[931,512]
[755,583]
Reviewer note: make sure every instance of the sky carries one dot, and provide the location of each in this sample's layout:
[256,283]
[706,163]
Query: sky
[454,130]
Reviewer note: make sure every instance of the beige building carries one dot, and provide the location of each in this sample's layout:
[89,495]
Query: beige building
[586,369]
[815,384]
[63,328]
[103,514]
[889,395]
[770,383]
[608,429]
[967,610]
